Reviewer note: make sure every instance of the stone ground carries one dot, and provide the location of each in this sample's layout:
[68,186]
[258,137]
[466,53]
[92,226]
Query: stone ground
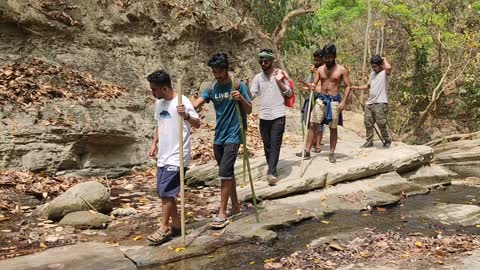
[359,181]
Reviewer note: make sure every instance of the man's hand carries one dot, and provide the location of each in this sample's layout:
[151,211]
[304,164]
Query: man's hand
[312,68]
[278,75]
[237,96]
[342,105]
[152,152]
[182,111]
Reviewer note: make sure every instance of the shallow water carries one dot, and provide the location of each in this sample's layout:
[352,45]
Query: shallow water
[291,239]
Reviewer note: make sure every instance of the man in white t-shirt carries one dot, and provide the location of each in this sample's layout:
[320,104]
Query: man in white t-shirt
[376,110]
[165,148]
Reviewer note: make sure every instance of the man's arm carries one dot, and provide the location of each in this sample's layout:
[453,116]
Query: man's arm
[198,103]
[183,112]
[346,81]
[280,77]
[387,67]
[317,83]
[361,87]
[243,99]
[152,152]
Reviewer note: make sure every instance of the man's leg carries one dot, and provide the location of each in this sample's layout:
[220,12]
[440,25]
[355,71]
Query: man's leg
[318,139]
[229,185]
[334,132]
[219,151]
[169,210]
[316,118]
[278,128]
[266,133]
[369,122]
[381,117]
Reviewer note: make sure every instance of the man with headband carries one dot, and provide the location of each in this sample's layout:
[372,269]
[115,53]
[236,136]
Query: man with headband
[272,87]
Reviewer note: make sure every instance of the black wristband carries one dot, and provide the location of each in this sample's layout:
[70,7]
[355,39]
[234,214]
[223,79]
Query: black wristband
[188,117]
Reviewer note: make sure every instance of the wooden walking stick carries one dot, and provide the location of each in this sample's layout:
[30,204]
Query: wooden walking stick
[306,133]
[245,154]
[182,171]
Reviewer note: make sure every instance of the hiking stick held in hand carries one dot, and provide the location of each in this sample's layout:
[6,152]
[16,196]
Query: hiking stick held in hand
[306,133]
[245,154]
[182,171]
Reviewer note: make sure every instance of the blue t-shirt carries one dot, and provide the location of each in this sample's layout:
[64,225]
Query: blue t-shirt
[227,129]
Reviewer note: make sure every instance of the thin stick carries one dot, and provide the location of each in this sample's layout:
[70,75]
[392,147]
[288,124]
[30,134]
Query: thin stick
[182,176]
[306,133]
[245,155]
[89,204]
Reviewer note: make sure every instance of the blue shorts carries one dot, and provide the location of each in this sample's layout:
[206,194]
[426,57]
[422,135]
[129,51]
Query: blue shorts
[168,181]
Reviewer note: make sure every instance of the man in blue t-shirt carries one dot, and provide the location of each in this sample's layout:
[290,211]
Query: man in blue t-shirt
[224,94]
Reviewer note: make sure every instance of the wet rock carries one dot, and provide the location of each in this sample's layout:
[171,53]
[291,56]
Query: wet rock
[457,214]
[85,220]
[124,211]
[75,198]
[92,256]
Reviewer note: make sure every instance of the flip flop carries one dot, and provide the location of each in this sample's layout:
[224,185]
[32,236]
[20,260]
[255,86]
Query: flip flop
[219,223]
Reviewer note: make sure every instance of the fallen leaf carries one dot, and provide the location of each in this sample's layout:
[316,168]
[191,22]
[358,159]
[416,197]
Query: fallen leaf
[138,237]
[4,218]
[418,244]
[299,213]
[252,263]
[324,222]
[42,245]
[180,249]
[269,260]
[336,247]
[478,226]
[380,209]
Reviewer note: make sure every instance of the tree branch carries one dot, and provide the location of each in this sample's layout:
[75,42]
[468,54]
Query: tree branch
[281,30]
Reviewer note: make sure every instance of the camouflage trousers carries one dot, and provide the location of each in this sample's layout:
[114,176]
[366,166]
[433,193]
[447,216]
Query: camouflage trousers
[376,113]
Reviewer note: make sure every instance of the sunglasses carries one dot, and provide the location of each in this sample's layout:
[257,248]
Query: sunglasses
[264,61]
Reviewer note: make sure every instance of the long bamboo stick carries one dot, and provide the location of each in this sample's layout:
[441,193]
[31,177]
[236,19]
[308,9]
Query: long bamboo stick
[182,171]
[306,133]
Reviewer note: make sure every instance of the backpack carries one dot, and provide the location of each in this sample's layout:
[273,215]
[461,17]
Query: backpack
[289,101]
[237,82]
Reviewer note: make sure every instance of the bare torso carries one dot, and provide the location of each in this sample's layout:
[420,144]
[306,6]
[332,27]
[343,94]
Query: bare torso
[331,79]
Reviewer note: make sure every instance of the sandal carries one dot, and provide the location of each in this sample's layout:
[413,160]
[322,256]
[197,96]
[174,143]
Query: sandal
[317,150]
[159,237]
[219,223]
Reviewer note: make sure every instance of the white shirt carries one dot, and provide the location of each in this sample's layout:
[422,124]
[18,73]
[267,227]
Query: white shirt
[167,123]
[378,87]
[272,100]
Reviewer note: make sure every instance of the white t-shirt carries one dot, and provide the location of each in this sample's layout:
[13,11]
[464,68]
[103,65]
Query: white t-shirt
[378,88]
[167,122]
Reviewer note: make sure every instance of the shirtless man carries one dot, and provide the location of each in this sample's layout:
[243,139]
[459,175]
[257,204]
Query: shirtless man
[328,104]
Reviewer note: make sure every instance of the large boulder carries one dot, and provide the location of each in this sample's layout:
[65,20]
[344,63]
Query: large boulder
[86,220]
[78,198]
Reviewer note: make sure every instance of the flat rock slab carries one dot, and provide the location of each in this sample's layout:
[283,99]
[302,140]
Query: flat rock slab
[431,176]
[86,220]
[91,256]
[457,214]
[352,163]
[199,243]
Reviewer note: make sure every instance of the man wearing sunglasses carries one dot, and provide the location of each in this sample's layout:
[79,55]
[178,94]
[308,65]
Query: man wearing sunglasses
[272,87]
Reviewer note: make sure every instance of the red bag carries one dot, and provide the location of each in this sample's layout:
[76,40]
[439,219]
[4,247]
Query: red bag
[289,101]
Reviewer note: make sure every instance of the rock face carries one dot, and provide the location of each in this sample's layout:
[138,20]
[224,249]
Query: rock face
[85,220]
[120,42]
[92,256]
[74,200]
[462,157]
